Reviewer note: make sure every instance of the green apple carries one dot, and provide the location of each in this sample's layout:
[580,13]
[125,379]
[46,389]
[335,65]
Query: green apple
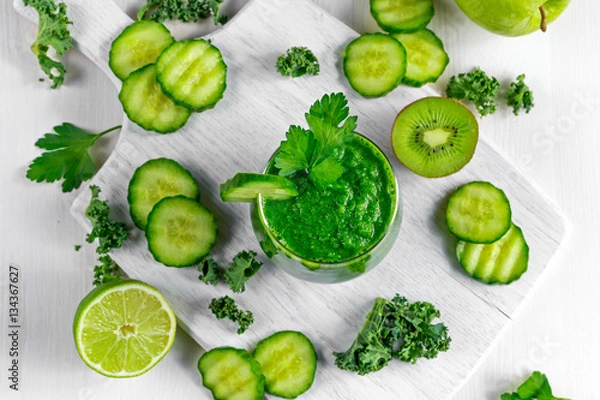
[513,17]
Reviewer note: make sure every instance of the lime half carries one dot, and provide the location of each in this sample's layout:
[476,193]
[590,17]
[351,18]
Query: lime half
[123,328]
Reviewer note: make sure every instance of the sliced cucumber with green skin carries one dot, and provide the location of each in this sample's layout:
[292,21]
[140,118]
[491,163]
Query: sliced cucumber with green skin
[232,374]
[145,104]
[503,261]
[138,45]
[374,64]
[427,58]
[180,231]
[478,212]
[288,361]
[192,73]
[402,15]
[245,187]
[153,181]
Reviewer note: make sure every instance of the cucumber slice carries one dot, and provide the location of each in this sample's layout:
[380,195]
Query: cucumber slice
[153,181]
[245,187]
[138,45]
[427,58]
[478,212]
[288,361]
[503,261]
[402,15]
[192,73]
[180,231]
[374,64]
[232,374]
[145,104]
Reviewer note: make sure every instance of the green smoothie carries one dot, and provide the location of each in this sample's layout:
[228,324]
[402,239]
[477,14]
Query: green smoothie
[344,220]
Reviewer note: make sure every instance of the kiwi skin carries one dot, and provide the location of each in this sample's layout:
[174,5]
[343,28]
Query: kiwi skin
[470,122]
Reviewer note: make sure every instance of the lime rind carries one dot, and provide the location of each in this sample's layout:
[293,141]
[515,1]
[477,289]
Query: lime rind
[154,338]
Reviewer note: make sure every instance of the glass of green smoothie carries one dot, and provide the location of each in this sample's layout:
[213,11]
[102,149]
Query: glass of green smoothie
[338,232]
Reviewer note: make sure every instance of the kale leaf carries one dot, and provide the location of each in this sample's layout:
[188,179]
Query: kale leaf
[182,10]
[535,387]
[110,234]
[395,329]
[519,96]
[242,268]
[476,87]
[210,272]
[107,271]
[67,157]
[52,32]
[225,307]
[297,61]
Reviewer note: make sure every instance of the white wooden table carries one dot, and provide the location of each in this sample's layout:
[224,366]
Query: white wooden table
[554,145]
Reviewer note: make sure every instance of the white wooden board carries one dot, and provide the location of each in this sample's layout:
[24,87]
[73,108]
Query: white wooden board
[241,133]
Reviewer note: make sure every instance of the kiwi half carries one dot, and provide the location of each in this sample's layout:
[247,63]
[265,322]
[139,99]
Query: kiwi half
[435,136]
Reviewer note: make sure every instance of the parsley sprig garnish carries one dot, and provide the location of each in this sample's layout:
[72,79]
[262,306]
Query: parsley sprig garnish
[318,150]
[67,157]
[52,32]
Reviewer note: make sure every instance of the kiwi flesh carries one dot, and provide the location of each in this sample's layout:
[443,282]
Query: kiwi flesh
[435,136]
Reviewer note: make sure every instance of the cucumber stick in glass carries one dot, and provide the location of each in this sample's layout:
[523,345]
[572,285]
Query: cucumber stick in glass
[231,373]
[145,104]
[289,363]
[374,64]
[192,73]
[180,231]
[245,187]
[138,45]
[427,58]
[155,180]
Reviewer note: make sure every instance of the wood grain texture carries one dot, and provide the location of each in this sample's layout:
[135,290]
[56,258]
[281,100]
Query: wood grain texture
[241,133]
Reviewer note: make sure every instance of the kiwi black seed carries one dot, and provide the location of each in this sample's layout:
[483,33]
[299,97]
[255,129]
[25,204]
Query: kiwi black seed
[435,136]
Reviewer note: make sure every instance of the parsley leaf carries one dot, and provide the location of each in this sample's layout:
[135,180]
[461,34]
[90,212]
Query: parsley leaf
[242,268]
[225,307]
[52,32]
[210,272]
[107,271]
[297,61]
[183,10]
[110,234]
[67,157]
[295,153]
[318,151]
[477,88]
[519,96]
[535,387]
[395,329]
